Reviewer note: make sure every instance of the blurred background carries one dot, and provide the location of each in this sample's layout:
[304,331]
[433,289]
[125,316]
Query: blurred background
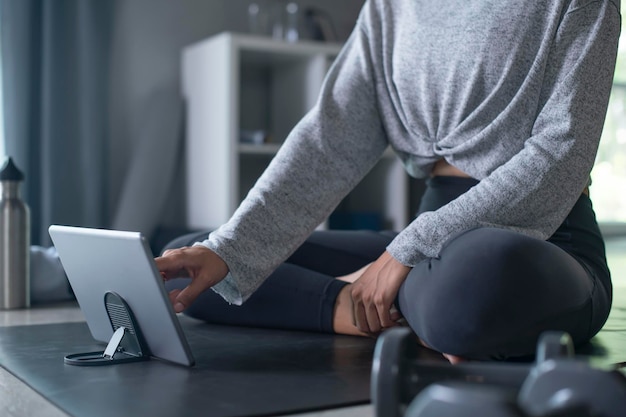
[92,111]
[91,103]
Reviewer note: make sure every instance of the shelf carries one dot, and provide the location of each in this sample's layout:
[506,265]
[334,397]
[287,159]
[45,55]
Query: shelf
[270,149]
[266,149]
[260,49]
[235,82]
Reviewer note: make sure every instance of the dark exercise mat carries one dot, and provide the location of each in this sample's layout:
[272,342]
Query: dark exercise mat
[238,372]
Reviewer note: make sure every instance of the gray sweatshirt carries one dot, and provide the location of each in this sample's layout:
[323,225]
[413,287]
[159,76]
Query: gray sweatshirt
[512,92]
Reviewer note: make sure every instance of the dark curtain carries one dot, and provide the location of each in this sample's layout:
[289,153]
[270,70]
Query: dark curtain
[55,57]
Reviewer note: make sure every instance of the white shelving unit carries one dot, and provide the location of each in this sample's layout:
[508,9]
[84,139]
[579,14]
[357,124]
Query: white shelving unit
[234,82]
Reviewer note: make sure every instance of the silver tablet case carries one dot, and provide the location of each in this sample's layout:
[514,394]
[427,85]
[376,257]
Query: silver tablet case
[97,261]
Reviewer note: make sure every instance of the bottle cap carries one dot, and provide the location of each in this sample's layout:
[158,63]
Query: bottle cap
[9,171]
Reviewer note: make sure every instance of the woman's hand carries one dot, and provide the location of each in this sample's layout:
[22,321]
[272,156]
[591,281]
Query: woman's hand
[202,265]
[374,292]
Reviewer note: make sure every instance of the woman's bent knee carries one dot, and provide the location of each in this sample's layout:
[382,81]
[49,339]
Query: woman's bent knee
[491,292]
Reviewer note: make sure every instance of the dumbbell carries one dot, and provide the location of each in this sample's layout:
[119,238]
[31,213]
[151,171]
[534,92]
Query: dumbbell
[449,399]
[554,386]
[398,376]
[557,383]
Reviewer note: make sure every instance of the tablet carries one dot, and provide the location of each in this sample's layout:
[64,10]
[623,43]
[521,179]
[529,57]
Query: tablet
[98,262]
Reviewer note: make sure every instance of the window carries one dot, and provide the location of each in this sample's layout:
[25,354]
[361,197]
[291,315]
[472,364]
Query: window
[2,148]
[609,172]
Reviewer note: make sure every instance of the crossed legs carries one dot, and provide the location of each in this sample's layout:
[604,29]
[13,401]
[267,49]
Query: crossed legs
[488,295]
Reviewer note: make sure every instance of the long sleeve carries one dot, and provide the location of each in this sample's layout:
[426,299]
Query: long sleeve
[514,93]
[534,190]
[323,158]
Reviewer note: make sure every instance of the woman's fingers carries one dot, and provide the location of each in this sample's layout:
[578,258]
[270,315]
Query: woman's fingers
[371,316]
[172,264]
[372,320]
[373,294]
[360,317]
[173,294]
[189,294]
[202,265]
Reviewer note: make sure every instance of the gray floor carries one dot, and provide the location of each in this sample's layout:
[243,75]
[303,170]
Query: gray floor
[18,400]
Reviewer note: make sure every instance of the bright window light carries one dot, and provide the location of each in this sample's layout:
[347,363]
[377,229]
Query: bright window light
[609,172]
[2,148]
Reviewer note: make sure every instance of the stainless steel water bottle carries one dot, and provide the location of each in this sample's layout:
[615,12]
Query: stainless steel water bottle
[14,240]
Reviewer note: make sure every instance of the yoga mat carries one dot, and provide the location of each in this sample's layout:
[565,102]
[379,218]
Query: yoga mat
[239,372]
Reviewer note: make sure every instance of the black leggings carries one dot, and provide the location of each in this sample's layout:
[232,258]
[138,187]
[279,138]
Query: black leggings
[488,295]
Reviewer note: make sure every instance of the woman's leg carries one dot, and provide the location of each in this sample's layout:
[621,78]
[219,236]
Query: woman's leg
[491,292]
[303,293]
[341,252]
[291,298]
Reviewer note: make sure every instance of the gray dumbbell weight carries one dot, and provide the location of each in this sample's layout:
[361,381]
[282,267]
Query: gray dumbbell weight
[463,399]
[391,372]
[558,383]
[398,376]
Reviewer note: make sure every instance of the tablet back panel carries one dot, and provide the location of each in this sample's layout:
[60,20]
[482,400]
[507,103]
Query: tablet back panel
[97,261]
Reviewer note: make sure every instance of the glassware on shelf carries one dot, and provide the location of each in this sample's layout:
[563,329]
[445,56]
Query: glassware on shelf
[258,18]
[292,22]
[279,18]
[285,21]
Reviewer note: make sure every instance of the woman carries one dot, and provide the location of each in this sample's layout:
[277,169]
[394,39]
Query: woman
[501,105]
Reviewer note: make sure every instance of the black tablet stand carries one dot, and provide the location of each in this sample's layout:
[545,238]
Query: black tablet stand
[127,343]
